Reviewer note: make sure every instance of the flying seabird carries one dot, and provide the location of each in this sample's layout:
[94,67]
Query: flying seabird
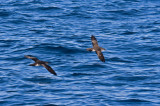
[42,63]
[96,48]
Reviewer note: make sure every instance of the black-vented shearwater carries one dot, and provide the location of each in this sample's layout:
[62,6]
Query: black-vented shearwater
[42,63]
[97,49]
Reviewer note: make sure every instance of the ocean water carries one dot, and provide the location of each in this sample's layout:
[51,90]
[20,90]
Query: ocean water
[59,31]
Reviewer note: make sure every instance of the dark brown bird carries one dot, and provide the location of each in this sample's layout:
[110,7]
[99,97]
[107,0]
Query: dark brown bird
[42,63]
[97,49]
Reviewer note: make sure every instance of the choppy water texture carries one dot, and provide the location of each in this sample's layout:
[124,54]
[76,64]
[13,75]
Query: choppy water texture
[58,31]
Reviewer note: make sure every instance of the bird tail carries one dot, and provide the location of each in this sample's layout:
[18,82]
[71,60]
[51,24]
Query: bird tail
[102,49]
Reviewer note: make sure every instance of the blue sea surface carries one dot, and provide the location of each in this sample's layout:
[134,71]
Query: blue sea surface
[59,31]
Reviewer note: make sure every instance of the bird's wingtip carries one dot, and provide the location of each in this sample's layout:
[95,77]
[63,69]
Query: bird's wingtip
[93,37]
[27,55]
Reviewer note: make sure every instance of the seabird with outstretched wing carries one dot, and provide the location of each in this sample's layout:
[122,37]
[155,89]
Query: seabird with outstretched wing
[97,49]
[42,63]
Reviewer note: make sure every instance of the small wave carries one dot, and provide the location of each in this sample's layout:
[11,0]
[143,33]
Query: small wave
[40,20]
[80,74]
[61,49]
[128,33]
[129,78]
[4,13]
[9,41]
[78,14]
[3,102]
[125,12]
[51,104]
[19,21]
[116,59]
[155,49]
[90,66]
[133,100]
[155,30]
[39,79]
[17,58]
[3,79]
[48,8]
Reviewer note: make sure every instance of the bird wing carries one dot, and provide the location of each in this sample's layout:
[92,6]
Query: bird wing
[94,40]
[100,56]
[30,57]
[49,69]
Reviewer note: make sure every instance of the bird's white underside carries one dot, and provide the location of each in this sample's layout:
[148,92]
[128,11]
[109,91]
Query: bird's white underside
[37,65]
[95,50]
